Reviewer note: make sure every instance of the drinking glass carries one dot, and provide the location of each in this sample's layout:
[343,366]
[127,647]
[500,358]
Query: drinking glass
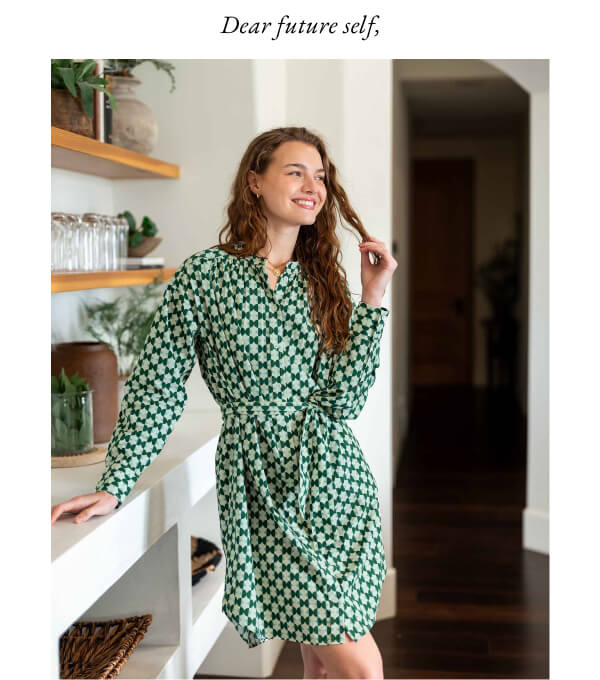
[123,241]
[74,240]
[93,222]
[59,226]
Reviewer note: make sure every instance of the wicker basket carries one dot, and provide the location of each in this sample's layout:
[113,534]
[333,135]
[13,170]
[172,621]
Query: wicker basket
[99,649]
[205,557]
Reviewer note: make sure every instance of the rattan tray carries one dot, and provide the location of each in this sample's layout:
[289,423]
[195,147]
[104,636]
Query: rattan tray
[100,649]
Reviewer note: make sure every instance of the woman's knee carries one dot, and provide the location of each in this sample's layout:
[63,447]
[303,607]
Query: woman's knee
[369,671]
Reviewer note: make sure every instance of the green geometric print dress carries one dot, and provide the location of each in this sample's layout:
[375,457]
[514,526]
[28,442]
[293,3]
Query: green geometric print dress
[298,504]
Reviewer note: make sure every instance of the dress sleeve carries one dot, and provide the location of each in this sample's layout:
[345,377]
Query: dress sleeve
[154,394]
[353,370]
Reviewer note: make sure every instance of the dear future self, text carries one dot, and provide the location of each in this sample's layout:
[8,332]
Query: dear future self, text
[285,26]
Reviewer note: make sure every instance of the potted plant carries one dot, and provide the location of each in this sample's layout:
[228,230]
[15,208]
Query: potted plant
[123,324]
[72,430]
[134,126]
[498,278]
[72,94]
[141,241]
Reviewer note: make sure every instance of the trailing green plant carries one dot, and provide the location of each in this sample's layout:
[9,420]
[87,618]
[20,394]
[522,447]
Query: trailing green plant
[79,79]
[123,324]
[72,428]
[136,237]
[124,67]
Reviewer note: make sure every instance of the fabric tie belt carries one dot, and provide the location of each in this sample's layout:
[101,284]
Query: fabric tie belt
[308,436]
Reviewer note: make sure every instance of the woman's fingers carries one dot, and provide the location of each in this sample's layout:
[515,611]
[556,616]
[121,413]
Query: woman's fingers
[377,247]
[83,505]
[72,505]
[86,514]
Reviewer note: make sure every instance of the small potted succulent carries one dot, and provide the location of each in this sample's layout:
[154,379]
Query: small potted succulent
[72,422]
[134,126]
[72,94]
[143,240]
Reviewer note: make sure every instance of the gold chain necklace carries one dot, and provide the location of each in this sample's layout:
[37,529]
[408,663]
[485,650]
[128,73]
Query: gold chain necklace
[277,270]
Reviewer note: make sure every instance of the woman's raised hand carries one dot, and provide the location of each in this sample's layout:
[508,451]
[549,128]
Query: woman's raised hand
[375,277]
[87,505]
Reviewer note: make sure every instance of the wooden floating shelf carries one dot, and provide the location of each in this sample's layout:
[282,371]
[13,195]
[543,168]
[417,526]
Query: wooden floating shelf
[68,281]
[78,153]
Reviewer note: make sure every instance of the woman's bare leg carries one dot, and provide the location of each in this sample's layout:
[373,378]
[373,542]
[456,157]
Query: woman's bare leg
[351,659]
[313,668]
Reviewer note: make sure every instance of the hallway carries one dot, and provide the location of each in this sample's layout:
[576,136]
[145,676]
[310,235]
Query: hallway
[471,602]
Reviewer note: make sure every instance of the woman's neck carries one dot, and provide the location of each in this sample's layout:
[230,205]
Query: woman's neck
[280,246]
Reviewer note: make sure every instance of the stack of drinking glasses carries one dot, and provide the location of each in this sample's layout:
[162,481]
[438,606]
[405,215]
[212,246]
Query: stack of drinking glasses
[88,242]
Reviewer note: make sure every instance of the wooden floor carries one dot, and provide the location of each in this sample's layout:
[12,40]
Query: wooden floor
[471,602]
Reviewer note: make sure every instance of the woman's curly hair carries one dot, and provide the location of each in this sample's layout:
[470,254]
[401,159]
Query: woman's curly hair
[317,246]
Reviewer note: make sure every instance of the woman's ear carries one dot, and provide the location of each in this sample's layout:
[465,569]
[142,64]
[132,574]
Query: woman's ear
[252,181]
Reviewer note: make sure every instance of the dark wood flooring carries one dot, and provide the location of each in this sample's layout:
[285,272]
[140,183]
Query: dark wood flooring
[471,602]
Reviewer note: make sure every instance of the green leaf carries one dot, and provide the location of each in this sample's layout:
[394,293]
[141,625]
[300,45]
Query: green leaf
[135,239]
[62,431]
[86,68]
[69,79]
[130,219]
[113,103]
[54,382]
[97,80]
[148,227]
[87,98]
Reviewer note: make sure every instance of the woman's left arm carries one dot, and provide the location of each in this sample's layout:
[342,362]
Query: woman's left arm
[353,370]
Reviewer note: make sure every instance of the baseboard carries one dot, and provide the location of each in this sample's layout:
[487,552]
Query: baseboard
[536,530]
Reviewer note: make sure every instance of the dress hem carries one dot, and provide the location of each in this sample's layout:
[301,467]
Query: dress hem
[262,637]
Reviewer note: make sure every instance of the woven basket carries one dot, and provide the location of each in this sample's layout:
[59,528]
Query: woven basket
[205,557]
[92,650]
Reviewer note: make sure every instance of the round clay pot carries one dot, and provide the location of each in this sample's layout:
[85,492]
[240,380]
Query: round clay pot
[97,363]
[134,126]
[67,113]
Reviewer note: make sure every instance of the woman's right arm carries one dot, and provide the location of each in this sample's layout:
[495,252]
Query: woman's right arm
[154,399]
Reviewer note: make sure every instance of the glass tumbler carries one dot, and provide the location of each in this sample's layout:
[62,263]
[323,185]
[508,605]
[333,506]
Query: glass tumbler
[58,226]
[74,224]
[93,222]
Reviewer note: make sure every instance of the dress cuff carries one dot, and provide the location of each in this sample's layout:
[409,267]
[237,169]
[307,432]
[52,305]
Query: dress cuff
[364,310]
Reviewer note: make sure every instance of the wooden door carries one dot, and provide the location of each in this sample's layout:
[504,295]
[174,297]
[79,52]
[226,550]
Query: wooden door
[441,271]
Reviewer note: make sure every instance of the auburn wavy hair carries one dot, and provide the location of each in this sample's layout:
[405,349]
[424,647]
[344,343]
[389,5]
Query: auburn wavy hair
[317,247]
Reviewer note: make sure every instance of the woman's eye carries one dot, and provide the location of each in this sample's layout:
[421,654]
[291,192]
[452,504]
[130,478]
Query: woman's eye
[297,172]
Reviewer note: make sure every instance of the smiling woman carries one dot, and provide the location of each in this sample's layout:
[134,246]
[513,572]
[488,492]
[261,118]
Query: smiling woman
[289,189]
[288,364]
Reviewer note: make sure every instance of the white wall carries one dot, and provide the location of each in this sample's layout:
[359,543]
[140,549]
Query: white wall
[401,237]
[533,76]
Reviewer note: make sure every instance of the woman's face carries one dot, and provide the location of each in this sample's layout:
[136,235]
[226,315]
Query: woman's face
[292,189]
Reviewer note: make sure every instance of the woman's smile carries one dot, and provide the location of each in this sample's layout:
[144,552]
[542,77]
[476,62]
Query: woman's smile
[307,204]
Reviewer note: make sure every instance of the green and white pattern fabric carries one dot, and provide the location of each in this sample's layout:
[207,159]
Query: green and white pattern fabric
[298,504]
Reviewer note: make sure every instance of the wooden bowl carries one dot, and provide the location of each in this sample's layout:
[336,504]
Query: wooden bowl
[146,246]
